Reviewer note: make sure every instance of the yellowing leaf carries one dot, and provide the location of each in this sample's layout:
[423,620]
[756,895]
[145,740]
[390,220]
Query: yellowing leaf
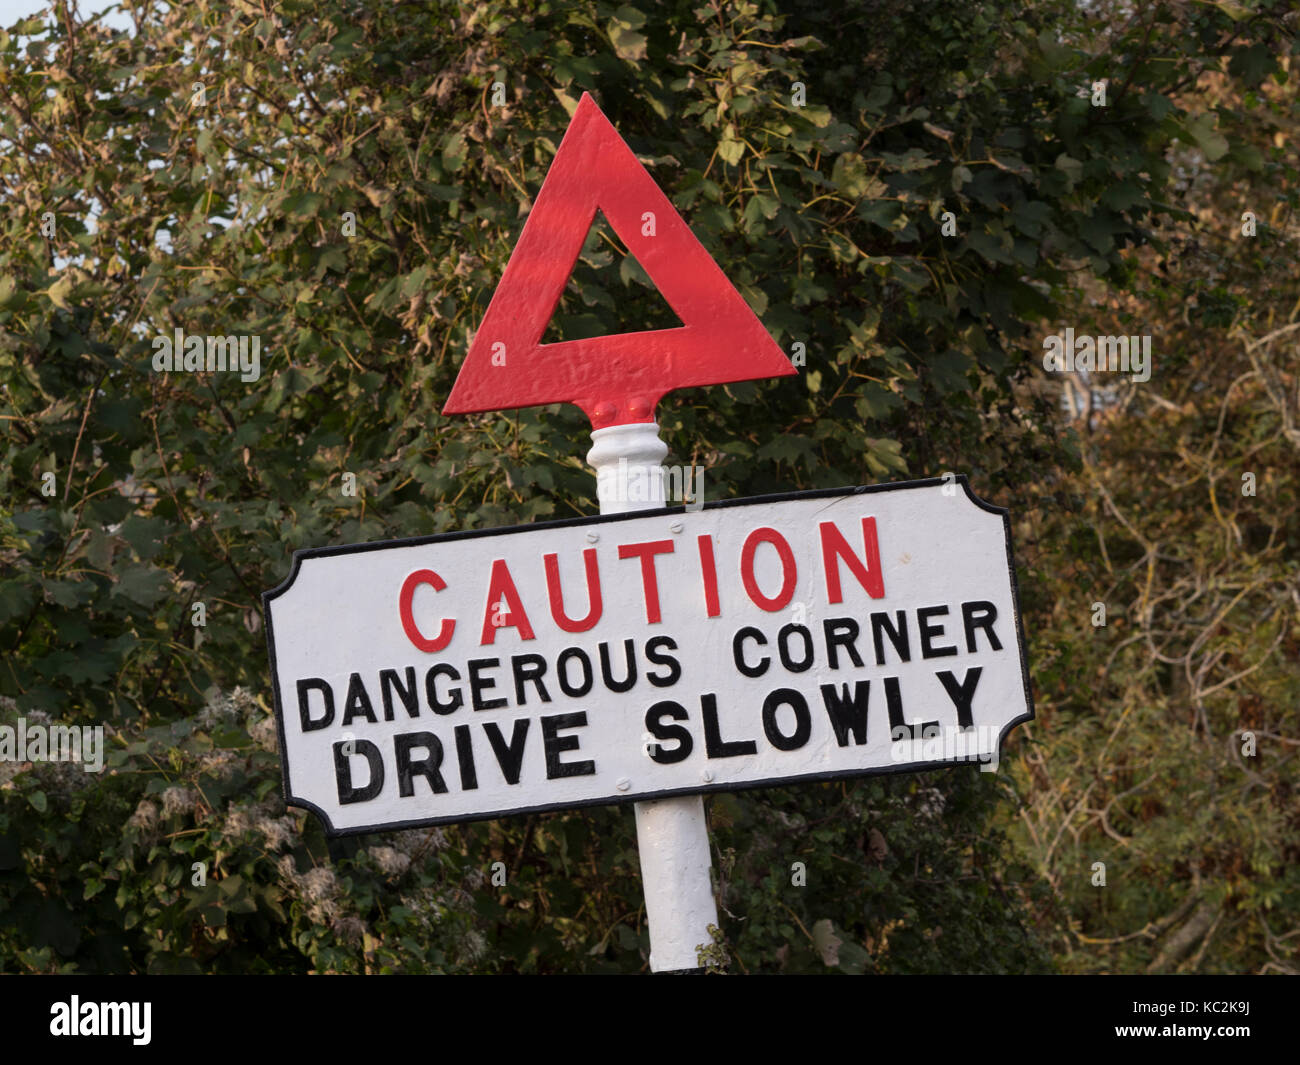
[731,151]
[58,292]
[628,44]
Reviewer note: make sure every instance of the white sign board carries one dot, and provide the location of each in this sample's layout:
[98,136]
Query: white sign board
[753,642]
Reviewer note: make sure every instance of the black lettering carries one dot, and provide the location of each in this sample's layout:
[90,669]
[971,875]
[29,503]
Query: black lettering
[962,695]
[465,757]
[304,710]
[847,715]
[388,681]
[343,771]
[841,632]
[783,648]
[629,653]
[654,723]
[427,767]
[442,669]
[897,636]
[713,742]
[738,651]
[980,615]
[898,728]
[509,757]
[802,719]
[573,691]
[528,668]
[358,702]
[928,632]
[478,685]
[654,657]
[555,745]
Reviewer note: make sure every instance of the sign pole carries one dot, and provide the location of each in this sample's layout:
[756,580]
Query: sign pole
[671,834]
[617,381]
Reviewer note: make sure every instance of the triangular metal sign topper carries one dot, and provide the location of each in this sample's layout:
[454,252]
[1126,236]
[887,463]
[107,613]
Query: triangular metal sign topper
[615,379]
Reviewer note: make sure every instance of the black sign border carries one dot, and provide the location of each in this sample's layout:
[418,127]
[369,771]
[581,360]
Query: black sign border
[601,519]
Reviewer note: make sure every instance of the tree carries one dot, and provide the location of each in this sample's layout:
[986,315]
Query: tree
[1167,737]
[345,182]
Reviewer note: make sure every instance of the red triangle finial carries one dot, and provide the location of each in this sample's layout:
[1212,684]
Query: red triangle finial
[620,378]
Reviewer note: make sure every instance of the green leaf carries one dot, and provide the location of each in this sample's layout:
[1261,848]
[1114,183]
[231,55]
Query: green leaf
[144,535]
[1030,216]
[818,114]
[1253,63]
[948,370]
[908,161]
[884,456]
[303,204]
[145,585]
[853,958]
[1123,196]
[10,294]
[341,46]
[454,152]
[631,16]
[1201,129]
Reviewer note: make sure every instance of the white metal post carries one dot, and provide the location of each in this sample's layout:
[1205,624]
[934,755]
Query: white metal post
[671,834]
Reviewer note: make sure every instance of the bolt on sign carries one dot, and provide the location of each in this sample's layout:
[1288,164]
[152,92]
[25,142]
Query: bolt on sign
[755,642]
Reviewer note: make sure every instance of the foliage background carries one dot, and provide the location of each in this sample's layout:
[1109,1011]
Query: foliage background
[225,215]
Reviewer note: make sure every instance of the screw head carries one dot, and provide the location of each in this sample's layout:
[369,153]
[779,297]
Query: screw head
[676,526]
[623,784]
[592,537]
[707,777]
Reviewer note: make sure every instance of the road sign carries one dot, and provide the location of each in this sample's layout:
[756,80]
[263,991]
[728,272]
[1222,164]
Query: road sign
[648,656]
[753,642]
[614,379]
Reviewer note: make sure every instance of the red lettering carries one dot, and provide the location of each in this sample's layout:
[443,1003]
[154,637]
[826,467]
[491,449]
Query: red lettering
[709,568]
[404,600]
[502,586]
[835,547]
[788,568]
[649,580]
[557,594]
